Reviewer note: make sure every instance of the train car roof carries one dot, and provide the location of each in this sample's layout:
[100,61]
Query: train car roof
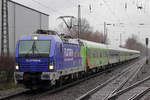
[29,37]
[110,47]
[122,49]
[90,43]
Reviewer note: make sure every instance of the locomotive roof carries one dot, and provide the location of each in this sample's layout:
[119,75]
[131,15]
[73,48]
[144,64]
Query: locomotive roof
[49,37]
[41,37]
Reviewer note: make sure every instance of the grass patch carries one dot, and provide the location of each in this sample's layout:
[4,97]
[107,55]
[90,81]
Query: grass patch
[8,86]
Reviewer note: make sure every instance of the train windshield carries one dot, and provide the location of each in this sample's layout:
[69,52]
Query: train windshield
[34,48]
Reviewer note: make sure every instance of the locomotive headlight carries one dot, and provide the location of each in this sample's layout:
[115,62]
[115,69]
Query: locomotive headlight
[17,67]
[35,37]
[51,67]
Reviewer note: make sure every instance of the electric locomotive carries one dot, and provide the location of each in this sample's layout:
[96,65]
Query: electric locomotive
[41,59]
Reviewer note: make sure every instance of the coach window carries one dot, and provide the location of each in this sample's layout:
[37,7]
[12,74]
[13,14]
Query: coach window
[94,53]
[103,54]
[97,54]
[89,53]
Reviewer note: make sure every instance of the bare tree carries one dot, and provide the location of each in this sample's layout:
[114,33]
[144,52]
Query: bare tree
[132,43]
[99,37]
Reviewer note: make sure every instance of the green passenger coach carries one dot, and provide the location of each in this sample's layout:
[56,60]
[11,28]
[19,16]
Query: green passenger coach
[96,55]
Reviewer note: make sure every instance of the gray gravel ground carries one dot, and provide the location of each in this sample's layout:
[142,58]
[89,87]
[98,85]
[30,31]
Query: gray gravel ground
[103,93]
[145,72]
[138,89]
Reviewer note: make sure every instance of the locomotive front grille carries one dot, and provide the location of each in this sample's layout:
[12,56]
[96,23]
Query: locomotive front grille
[33,67]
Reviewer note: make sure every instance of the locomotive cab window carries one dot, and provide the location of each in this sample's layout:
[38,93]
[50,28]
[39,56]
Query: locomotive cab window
[36,48]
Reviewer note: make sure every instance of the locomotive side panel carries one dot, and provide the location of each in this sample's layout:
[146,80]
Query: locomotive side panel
[71,60]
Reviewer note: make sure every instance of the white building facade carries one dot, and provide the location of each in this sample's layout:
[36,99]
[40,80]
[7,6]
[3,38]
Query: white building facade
[23,21]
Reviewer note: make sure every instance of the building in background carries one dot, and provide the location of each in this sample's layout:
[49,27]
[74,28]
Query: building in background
[22,21]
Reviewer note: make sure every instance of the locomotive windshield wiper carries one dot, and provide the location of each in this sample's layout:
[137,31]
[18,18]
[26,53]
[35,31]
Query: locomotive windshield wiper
[26,55]
[34,48]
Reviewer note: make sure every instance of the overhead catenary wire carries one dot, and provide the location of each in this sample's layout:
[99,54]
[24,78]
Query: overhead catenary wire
[145,7]
[142,6]
[126,12]
[89,6]
[110,10]
[47,7]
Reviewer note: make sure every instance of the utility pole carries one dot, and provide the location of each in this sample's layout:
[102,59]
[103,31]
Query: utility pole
[120,39]
[104,40]
[147,50]
[79,21]
[4,29]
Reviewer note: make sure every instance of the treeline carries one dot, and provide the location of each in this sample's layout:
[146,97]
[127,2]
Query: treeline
[134,44]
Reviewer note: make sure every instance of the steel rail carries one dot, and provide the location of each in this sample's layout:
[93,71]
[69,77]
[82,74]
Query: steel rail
[139,95]
[119,93]
[89,93]
[135,72]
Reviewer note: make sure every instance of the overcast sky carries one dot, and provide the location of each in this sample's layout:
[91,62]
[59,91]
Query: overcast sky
[110,11]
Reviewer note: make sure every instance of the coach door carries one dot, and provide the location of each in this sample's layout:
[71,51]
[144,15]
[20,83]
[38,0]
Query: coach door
[61,55]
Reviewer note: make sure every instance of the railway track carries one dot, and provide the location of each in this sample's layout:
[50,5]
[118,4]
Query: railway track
[133,92]
[54,90]
[113,85]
